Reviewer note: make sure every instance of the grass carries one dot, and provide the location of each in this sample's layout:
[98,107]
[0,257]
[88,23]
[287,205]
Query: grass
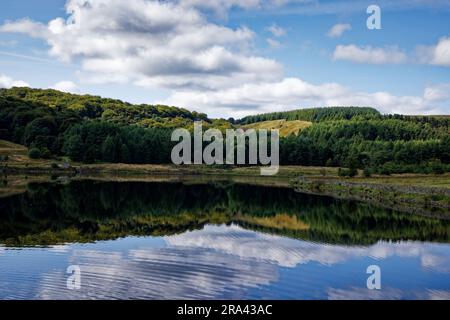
[18,155]
[15,152]
[286,127]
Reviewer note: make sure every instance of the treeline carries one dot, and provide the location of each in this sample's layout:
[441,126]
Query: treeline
[35,125]
[106,130]
[107,142]
[315,114]
[362,138]
[111,110]
[100,129]
[378,146]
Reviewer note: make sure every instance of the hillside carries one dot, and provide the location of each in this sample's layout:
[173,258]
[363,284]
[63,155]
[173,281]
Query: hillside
[91,129]
[315,114]
[94,107]
[286,127]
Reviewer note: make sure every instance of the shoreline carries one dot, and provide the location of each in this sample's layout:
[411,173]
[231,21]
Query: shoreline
[412,193]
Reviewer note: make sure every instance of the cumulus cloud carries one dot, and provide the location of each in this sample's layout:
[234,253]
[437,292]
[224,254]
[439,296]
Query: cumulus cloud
[438,54]
[441,53]
[7,82]
[66,86]
[162,43]
[440,92]
[172,45]
[369,54]
[292,93]
[338,30]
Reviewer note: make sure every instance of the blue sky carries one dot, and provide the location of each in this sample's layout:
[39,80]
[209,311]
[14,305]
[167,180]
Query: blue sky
[232,58]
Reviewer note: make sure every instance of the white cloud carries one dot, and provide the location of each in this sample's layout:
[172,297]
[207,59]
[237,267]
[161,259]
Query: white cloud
[206,66]
[34,29]
[439,92]
[441,53]
[369,54]
[338,30]
[158,43]
[293,93]
[7,82]
[438,54]
[276,30]
[273,43]
[66,86]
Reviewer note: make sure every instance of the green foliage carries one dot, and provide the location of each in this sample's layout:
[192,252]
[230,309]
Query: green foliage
[437,167]
[89,129]
[316,114]
[385,145]
[350,172]
[33,123]
[111,110]
[34,153]
[102,141]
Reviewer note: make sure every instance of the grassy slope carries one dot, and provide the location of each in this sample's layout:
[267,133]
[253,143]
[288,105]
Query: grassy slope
[286,127]
[18,156]
[14,151]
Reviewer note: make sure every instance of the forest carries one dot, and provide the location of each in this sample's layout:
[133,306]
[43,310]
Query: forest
[91,129]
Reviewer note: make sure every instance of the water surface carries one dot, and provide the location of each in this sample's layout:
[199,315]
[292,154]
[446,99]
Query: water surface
[221,240]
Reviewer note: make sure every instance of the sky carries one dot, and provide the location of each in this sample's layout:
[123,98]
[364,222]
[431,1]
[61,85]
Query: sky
[232,58]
